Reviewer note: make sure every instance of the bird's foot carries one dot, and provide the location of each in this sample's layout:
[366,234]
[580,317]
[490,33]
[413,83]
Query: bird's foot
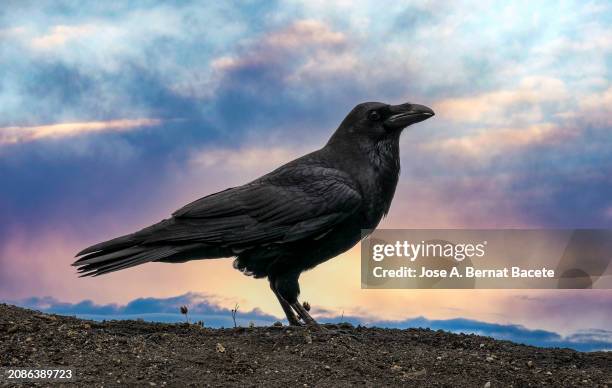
[304,315]
[294,321]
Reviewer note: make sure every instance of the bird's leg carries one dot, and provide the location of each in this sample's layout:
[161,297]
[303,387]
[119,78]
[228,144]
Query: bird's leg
[287,288]
[297,306]
[291,318]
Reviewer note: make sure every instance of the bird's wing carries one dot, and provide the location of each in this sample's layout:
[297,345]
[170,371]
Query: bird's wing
[291,205]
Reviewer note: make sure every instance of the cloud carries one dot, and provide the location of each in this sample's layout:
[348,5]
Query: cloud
[556,305]
[494,141]
[12,33]
[590,336]
[59,35]
[306,49]
[297,39]
[594,109]
[10,135]
[203,307]
[306,32]
[505,106]
[244,159]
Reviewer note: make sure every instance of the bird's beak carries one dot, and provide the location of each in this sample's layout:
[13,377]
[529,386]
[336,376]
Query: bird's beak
[407,114]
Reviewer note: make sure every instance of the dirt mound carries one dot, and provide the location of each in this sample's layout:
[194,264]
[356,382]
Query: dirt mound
[138,353]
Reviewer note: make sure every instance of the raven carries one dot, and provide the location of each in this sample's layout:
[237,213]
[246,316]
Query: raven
[285,222]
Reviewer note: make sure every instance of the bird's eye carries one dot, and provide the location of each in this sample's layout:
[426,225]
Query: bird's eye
[374,116]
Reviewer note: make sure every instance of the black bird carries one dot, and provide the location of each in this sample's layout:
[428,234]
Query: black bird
[285,222]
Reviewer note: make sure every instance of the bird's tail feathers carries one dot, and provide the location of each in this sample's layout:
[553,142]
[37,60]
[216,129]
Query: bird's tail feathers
[129,240]
[103,262]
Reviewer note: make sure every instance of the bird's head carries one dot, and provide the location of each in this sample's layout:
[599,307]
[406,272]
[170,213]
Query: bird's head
[376,121]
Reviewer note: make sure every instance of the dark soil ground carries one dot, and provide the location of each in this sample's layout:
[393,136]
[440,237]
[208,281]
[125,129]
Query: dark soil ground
[135,353]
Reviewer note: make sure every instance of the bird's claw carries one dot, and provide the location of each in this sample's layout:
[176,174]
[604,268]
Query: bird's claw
[303,314]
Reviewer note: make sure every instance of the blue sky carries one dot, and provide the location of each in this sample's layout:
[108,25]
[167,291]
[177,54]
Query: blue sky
[112,115]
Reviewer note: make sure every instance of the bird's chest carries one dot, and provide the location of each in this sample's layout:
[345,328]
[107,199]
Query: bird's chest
[378,196]
[381,177]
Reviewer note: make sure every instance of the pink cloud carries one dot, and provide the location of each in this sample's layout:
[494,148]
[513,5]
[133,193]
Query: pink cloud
[595,108]
[491,107]
[493,141]
[319,50]
[61,34]
[17,134]
[306,32]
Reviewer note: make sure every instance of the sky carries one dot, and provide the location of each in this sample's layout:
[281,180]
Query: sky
[115,114]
